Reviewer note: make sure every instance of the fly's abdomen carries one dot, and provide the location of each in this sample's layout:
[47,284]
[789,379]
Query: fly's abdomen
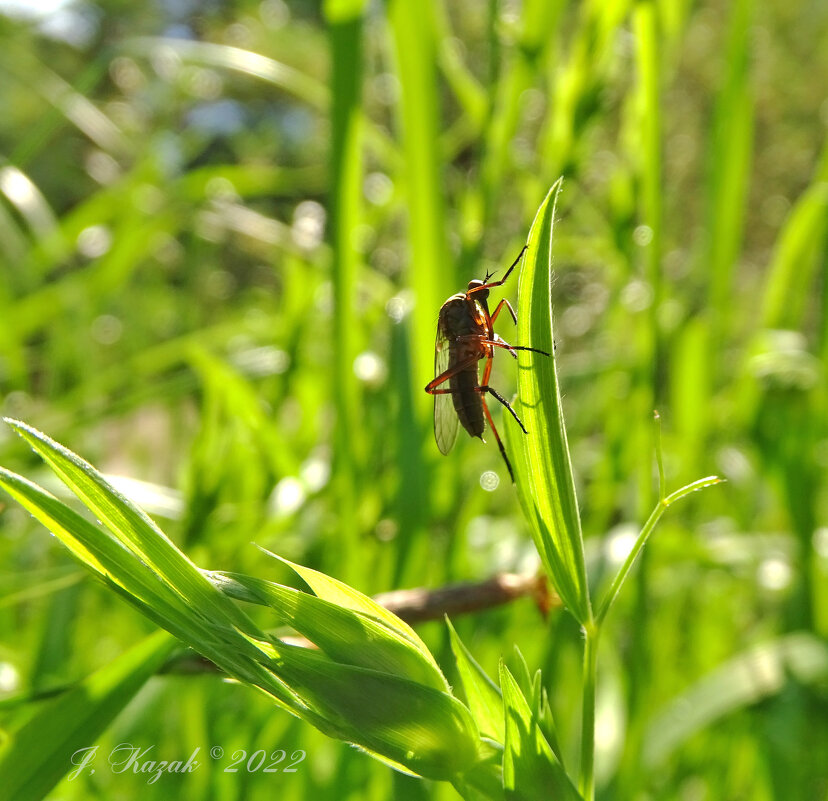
[467,401]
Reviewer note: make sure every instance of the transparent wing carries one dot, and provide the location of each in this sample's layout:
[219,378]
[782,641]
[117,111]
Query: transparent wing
[445,418]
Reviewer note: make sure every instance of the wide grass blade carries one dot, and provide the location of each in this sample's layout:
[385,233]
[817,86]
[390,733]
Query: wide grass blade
[411,718]
[330,589]
[543,466]
[104,556]
[138,561]
[427,730]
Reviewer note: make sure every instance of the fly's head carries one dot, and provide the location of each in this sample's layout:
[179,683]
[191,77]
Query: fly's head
[475,287]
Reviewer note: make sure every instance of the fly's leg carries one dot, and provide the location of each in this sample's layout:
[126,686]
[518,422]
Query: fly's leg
[487,285]
[487,370]
[509,347]
[497,437]
[431,386]
[499,306]
[498,342]
[506,403]
[484,387]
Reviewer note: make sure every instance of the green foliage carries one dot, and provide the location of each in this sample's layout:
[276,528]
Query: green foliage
[412,721]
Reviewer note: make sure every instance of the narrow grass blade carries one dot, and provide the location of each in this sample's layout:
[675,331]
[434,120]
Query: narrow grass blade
[429,274]
[345,24]
[731,153]
[542,462]
[237,59]
[796,258]
[482,694]
[34,757]
[535,32]
[646,531]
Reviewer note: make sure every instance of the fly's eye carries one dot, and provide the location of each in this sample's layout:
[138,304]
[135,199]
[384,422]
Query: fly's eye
[474,284]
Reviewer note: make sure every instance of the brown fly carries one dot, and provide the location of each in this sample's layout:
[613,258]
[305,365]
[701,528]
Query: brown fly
[465,335]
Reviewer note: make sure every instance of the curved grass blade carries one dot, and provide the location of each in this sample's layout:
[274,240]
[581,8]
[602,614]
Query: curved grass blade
[134,529]
[542,463]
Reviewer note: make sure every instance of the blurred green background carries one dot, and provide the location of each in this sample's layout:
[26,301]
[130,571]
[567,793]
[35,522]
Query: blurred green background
[226,229]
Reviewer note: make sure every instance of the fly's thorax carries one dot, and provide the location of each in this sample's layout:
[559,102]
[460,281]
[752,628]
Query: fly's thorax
[462,316]
[464,349]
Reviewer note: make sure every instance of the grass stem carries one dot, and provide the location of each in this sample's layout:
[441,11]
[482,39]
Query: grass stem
[587,780]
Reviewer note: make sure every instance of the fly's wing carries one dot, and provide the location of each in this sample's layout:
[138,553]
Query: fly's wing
[445,418]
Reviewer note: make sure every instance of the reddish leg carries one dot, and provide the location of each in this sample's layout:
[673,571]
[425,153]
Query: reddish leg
[431,386]
[487,370]
[499,306]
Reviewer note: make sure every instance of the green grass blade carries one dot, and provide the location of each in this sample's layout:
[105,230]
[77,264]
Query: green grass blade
[97,550]
[730,161]
[139,585]
[237,59]
[543,465]
[641,541]
[427,730]
[344,18]
[133,528]
[535,30]
[345,635]
[482,695]
[35,757]
[330,589]
[530,768]
[412,28]
[796,258]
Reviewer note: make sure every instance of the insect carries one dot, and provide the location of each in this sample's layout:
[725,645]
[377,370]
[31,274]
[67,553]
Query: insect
[465,335]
